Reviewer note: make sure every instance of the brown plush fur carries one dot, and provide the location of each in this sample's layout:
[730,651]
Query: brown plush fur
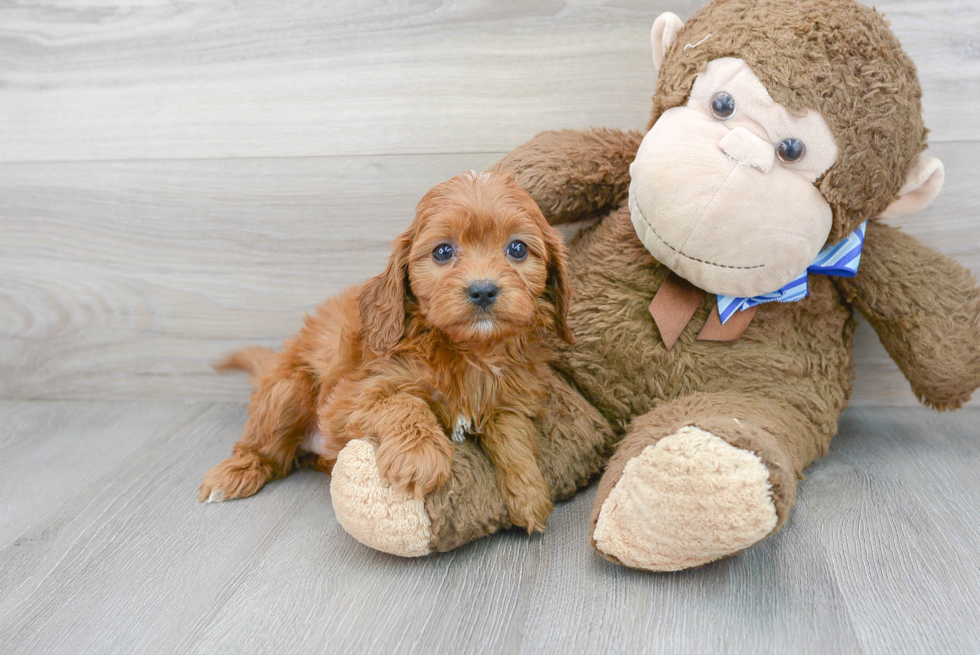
[400,359]
[597,177]
[789,377]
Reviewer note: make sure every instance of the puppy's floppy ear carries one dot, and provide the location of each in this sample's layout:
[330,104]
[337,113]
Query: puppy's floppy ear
[558,290]
[382,300]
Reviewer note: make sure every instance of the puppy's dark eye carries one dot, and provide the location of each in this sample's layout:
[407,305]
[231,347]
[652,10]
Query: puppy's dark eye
[517,250]
[722,105]
[790,150]
[443,253]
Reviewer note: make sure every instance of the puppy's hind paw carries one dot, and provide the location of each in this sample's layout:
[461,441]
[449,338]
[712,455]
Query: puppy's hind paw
[236,477]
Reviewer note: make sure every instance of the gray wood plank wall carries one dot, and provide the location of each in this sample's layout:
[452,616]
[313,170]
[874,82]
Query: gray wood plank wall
[180,179]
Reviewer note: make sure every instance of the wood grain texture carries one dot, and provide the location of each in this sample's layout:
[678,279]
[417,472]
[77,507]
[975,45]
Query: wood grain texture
[880,556]
[898,498]
[129,279]
[177,180]
[52,452]
[223,79]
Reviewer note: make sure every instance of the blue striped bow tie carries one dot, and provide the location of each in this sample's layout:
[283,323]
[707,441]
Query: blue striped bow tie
[841,260]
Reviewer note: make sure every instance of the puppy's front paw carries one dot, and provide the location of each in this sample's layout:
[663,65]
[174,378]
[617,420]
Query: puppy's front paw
[530,513]
[419,466]
[528,503]
[236,477]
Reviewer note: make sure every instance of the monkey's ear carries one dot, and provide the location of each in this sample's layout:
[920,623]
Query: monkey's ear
[921,187]
[663,34]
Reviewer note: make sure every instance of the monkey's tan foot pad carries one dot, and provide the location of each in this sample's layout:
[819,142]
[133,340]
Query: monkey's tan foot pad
[371,511]
[687,500]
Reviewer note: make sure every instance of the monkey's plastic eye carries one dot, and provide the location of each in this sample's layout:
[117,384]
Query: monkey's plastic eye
[790,150]
[443,253]
[722,105]
[517,250]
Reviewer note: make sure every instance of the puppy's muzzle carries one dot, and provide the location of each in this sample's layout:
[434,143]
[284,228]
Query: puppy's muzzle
[483,293]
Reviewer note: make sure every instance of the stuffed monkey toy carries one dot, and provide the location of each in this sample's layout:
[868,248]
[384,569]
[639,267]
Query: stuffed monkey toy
[715,295]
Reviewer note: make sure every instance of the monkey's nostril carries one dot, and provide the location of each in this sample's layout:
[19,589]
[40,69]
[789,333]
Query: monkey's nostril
[483,293]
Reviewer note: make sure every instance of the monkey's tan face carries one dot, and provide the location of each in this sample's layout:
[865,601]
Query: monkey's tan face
[723,190]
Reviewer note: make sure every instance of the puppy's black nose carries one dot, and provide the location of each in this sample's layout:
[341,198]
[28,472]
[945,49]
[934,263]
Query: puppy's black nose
[483,293]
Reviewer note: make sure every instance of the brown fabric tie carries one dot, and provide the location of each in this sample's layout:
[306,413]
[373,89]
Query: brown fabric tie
[736,326]
[674,305]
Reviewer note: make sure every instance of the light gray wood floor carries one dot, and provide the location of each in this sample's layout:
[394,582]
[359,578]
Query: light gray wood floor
[104,549]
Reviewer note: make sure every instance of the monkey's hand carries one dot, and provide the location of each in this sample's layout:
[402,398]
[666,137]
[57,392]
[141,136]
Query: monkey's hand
[574,174]
[925,308]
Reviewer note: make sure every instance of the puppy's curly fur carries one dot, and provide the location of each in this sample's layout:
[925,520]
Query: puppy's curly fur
[412,357]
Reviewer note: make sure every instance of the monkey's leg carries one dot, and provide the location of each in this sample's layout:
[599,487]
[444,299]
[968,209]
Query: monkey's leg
[700,478]
[574,440]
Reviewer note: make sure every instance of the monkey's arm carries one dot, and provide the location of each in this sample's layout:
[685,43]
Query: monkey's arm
[573,174]
[925,307]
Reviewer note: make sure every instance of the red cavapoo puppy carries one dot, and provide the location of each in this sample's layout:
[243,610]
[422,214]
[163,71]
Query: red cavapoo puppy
[446,343]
